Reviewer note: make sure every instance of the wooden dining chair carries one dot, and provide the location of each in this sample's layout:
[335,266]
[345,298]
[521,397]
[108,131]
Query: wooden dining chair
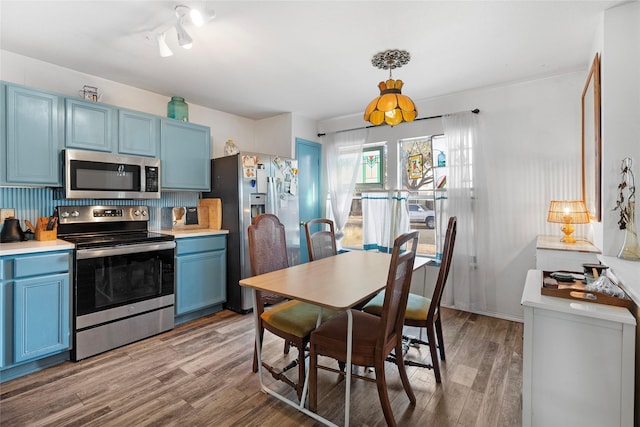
[374,337]
[321,238]
[423,312]
[291,320]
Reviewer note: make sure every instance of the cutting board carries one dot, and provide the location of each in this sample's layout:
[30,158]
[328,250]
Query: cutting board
[576,290]
[214,210]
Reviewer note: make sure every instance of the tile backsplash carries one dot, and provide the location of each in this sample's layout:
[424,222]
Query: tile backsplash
[31,203]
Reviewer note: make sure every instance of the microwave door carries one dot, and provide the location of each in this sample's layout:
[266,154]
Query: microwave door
[94,175]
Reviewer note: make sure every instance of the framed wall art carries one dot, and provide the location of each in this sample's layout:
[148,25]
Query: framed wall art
[591,141]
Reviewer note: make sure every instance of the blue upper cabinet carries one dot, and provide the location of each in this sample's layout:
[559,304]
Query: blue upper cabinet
[32,129]
[138,133]
[90,126]
[185,156]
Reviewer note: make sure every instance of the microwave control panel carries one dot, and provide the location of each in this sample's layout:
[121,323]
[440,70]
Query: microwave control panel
[151,179]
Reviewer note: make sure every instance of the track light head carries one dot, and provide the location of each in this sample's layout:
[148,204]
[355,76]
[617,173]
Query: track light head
[162,45]
[184,39]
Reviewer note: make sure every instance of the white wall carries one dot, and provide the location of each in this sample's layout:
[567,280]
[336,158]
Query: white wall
[274,136]
[620,77]
[48,77]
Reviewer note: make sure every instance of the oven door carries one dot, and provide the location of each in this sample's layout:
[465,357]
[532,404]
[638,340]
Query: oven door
[106,278]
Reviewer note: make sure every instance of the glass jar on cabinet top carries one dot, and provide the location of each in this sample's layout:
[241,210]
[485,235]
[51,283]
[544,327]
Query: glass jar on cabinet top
[178,109]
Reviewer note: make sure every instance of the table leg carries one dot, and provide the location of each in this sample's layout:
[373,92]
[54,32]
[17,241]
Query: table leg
[305,388]
[299,406]
[347,394]
[256,320]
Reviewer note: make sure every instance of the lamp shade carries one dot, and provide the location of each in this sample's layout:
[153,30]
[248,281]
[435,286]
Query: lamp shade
[391,107]
[568,212]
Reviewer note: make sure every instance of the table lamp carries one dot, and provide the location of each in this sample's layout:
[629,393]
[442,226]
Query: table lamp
[568,212]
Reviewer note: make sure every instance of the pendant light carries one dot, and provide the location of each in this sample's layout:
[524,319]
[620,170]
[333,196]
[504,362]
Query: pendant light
[391,107]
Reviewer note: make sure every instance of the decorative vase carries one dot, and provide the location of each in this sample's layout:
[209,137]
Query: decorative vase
[178,109]
[631,247]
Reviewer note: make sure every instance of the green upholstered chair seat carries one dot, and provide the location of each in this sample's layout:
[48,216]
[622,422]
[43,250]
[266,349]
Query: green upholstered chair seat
[417,306]
[295,317]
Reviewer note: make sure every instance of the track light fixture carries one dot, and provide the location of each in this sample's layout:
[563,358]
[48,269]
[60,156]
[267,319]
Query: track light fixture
[162,46]
[183,13]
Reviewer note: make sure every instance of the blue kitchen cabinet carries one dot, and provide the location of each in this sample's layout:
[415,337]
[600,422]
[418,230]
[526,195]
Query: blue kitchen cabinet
[35,305]
[90,125]
[138,133]
[185,156]
[201,272]
[32,134]
[41,316]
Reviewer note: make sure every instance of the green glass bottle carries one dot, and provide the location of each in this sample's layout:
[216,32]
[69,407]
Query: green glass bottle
[178,109]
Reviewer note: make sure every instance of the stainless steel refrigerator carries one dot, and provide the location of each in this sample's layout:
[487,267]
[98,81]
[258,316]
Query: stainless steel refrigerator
[250,184]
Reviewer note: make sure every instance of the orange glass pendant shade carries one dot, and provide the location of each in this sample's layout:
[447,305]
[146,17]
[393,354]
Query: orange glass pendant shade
[391,107]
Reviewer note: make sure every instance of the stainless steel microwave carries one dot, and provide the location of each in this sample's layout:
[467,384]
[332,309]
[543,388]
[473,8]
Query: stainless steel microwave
[96,175]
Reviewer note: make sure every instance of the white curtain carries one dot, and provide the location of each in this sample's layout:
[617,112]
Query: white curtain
[464,290]
[385,215]
[343,154]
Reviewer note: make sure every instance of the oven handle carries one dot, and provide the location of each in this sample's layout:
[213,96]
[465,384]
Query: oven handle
[123,250]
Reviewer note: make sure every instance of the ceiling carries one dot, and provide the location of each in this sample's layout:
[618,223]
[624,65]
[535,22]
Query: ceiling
[257,59]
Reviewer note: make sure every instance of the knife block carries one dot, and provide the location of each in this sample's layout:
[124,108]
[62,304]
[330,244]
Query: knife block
[41,230]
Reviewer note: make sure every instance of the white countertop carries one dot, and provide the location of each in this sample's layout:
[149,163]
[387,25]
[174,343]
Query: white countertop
[34,246]
[532,297]
[555,243]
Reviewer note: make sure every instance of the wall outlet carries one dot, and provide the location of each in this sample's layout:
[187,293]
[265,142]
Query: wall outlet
[6,213]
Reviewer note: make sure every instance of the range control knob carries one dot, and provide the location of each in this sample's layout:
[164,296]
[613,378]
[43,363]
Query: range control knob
[136,212]
[75,214]
[64,214]
[144,213]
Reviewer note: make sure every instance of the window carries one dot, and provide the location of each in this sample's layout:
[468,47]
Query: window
[372,175]
[422,172]
[420,168]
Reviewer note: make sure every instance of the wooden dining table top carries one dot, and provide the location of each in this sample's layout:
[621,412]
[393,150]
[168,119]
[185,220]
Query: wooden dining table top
[336,282]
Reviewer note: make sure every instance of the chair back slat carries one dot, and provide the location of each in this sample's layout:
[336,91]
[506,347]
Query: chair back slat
[397,288]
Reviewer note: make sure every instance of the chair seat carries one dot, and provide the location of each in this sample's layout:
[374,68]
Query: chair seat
[295,317]
[417,306]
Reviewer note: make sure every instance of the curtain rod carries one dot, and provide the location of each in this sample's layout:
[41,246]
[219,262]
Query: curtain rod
[474,111]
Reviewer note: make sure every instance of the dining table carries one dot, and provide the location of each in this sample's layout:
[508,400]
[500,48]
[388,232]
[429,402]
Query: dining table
[338,282]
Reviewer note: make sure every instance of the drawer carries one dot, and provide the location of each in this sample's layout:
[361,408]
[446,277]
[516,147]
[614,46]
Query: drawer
[200,244]
[35,265]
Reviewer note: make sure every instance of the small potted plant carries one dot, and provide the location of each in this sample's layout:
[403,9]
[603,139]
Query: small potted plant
[626,204]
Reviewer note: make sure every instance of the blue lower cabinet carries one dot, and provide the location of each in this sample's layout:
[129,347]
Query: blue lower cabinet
[41,316]
[35,307]
[201,276]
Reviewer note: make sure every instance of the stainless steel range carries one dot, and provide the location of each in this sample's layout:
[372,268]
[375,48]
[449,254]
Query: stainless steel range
[123,276]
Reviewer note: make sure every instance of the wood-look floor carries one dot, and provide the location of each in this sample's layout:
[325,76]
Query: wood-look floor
[199,374]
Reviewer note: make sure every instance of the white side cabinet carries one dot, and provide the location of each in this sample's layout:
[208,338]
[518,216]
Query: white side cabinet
[553,255]
[578,361]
